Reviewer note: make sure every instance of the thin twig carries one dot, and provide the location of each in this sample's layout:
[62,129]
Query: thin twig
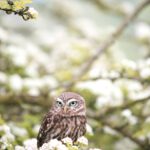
[24,13]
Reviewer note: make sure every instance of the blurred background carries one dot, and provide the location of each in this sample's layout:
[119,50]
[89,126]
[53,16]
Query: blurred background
[39,57]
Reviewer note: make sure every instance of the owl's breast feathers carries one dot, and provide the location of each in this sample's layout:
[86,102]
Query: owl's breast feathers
[59,127]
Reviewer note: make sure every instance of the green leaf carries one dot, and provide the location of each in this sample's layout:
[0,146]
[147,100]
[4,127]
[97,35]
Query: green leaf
[21,4]
[4,4]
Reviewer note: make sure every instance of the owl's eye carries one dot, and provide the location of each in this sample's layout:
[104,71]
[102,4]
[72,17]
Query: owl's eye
[73,103]
[59,103]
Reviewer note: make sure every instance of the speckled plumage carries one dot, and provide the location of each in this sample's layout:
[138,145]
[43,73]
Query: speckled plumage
[60,123]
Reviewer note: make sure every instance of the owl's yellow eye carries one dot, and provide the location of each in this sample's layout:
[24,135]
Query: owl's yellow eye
[73,104]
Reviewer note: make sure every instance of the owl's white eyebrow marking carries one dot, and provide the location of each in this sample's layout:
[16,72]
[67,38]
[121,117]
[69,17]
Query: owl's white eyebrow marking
[71,100]
[60,100]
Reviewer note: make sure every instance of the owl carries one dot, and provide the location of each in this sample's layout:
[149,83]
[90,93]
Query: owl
[66,118]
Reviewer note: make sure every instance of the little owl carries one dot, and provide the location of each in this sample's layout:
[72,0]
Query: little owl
[66,118]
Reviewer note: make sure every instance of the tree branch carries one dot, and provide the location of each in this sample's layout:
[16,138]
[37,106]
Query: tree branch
[106,44]
[144,145]
[118,77]
[110,110]
[103,119]
[11,98]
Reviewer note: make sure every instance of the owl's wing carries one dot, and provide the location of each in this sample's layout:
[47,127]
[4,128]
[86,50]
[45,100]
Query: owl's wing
[47,124]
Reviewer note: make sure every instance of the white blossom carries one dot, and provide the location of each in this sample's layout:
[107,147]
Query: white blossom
[139,94]
[7,137]
[33,12]
[3,77]
[33,82]
[33,91]
[131,87]
[102,101]
[3,34]
[45,146]
[15,82]
[18,55]
[148,62]
[142,31]
[30,144]
[126,113]
[49,81]
[145,72]
[112,96]
[113,74]
[82,140]
[36,128]
[67,140]
[5,128]
[53,144]
[129,64]
[20,59]
[131,118]
[147,120]
[89,129]
[98,87]
[19,147]
[32,69]
[18,131]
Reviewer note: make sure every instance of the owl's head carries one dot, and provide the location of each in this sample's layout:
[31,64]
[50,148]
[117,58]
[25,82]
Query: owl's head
[69,104]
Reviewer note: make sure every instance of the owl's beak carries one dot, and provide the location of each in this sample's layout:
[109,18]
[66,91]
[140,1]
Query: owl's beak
[65,109]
